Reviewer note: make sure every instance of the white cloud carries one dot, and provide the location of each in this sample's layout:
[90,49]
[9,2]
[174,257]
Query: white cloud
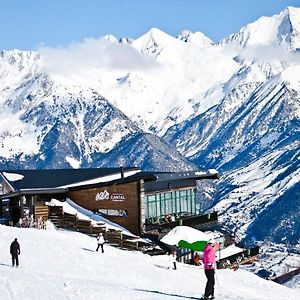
[93,53]
[270,53]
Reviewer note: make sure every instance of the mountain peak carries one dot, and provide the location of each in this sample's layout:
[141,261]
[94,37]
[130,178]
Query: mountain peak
[281,30]
[196,38]
[157,35]
[111,38]
[153,41]
[125,40]
[292,10]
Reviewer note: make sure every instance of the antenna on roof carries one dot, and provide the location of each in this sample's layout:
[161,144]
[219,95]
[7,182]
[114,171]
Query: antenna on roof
[122,171]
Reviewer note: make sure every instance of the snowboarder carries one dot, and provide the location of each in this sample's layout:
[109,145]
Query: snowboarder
[15,251]
[209,262]
[100,240]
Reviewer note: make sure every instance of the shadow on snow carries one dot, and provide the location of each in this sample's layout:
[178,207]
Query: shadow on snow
[167,294]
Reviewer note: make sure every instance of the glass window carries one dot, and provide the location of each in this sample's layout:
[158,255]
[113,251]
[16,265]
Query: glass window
[193,199]
[183,202]
[169,203]
[180,202]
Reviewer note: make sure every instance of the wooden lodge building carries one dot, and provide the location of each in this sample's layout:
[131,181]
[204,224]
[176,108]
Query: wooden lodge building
[128,196]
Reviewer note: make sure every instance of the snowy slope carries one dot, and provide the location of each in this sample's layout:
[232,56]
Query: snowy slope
[64,265]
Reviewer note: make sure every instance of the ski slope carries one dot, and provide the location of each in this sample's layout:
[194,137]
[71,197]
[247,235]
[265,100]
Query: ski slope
[59,264]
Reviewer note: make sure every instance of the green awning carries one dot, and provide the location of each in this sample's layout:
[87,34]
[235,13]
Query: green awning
[196,246]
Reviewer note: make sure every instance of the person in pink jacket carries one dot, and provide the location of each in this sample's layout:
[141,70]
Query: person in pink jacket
[209,263]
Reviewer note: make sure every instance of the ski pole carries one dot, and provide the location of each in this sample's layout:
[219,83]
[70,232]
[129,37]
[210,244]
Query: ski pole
[218,284]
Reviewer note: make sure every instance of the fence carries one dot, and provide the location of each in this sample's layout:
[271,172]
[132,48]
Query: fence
[111,236]
[41,211]
[238,257]
[287,276]
[55,215]
[192,221]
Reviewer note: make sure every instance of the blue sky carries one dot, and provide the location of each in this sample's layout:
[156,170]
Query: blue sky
[26,24]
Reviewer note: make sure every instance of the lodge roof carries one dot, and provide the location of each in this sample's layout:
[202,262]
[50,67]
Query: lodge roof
[63,180]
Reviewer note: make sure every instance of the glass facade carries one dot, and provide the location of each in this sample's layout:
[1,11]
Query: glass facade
[159,206]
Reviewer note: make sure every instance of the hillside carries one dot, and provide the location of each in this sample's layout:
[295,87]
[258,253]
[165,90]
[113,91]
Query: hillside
[63,265]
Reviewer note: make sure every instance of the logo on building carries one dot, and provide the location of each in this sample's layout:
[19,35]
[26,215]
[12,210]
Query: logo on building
[117,197]
[102,196]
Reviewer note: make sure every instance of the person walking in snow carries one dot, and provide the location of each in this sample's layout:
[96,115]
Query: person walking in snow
[209,263]
[100,240]
[173,260]
[15,252]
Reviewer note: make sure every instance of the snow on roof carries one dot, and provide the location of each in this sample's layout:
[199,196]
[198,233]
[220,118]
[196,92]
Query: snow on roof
[228,251]
[13,176]
[72,208]
[101,179]
[192,235]
[185,233]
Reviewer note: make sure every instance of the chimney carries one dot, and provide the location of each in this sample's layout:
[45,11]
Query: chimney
[122,171]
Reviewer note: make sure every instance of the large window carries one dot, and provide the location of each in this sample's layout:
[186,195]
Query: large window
[160,206]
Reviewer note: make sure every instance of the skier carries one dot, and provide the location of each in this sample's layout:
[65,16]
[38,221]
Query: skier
[101,242]
[209,262]
[15,251]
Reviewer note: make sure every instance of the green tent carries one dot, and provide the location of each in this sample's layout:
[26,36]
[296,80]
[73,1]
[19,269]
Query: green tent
[196,246]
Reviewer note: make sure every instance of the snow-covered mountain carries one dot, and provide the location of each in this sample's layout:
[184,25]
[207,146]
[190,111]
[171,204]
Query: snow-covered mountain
[166,103]
[256,147]
[280,30]
[252,136]
[47,124]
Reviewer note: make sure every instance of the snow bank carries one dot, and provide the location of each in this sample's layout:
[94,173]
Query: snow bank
[185,233]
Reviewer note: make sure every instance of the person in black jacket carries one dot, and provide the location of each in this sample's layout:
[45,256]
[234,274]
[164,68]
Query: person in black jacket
[15,251]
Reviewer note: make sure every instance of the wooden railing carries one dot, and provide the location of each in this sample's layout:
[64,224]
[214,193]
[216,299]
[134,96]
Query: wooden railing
[55,215]
[191,221]
[286,277]
[41,211]
[234,260]
[111,236]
